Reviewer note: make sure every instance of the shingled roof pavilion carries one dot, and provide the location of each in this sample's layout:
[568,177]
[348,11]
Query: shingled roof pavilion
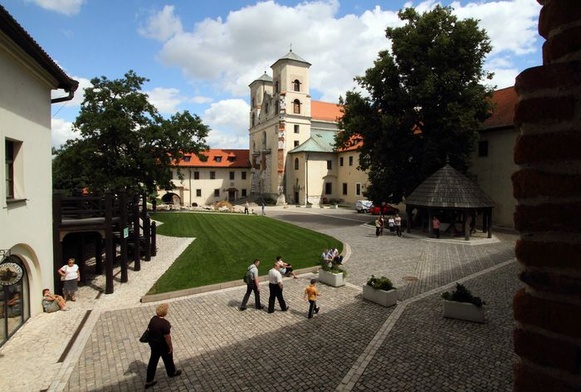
[451,193]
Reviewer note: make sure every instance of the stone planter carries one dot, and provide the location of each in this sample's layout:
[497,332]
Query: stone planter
[331,279]
[381,297]
[463,311]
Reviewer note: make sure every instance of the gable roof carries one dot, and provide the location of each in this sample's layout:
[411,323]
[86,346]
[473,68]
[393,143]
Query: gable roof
[226,158]
[326,111]
[504,101]
[14,31]
[448,188]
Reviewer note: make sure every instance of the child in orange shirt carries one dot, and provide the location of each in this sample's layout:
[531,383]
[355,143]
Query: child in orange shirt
[311,294]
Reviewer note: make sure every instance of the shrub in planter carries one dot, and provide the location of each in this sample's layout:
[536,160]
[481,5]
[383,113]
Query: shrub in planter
[462,294]
[461,304]
[380,291]
[382,283]
[332,275]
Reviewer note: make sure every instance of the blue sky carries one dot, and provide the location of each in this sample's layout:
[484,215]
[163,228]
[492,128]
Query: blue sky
[202,55]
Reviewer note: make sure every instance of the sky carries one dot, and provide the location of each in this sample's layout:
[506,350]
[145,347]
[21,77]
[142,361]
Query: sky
[201,56]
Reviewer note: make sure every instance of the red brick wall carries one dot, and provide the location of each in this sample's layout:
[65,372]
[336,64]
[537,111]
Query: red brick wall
[547,186]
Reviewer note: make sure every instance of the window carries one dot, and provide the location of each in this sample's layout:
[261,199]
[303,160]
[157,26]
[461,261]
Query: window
[243,193]
[276,86]
[341,161]
[296,85]
[296,143]
[344,188]
[216,192]
[9,153]
[350,161]
[328,188]
[232,175]
[198,193]
[296,163]
[276,107]
[212,175]
[231,158]
[358,189]
[218,159]
[243,174]
[329,165]
[296,128]
[196,175]
[483,148]
[296,106]
[187,158]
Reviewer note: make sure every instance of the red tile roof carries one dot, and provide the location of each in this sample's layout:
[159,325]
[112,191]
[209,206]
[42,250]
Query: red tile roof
[325,111]
[504,101]
[227,158]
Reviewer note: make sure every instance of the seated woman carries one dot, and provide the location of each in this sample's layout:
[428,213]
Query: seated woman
[52,303]
[285,268]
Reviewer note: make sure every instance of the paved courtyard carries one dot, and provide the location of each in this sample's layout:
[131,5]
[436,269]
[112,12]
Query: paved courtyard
[351,345]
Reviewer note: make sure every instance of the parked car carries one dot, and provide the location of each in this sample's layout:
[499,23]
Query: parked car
[363,205]
[387,210]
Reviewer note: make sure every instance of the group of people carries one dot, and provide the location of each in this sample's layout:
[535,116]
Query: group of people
[275,287]
[331,256]
[70,276]
[393,222]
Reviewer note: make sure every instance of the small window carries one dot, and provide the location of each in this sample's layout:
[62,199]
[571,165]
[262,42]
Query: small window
[296,85]
[296,128]
[329,165]
[483,148]
[243,193]
[243,174]
[232,175]
[296,143]
[328,188]
[218,159]
[276,86]
[344,188]
[358,189]
[276,107]
[198,193]
[296,163]
[231,158]
[212,175]
[350,161]
[9,154]
[296,106]
[216,192]
[341,161]
[187,158]
[196,175]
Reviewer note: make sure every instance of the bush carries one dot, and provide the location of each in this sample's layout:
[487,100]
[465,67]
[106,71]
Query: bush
[462,294]
[334,269]
[382,283]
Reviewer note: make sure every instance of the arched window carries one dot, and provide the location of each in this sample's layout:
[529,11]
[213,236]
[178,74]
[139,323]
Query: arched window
[296,106]
[296,85]
[296,163]
[15,304]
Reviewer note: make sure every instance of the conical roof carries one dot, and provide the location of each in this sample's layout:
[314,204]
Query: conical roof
[292,56]
[448,188]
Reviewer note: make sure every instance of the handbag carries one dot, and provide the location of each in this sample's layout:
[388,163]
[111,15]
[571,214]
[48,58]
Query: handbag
[145,337]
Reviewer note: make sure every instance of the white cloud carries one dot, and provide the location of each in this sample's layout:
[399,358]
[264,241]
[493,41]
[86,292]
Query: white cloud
[228,120]
[66,7]
[61,131]
[163,25]
[166,100]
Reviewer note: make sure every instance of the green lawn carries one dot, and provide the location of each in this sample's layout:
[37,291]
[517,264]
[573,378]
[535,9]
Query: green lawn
[227,243]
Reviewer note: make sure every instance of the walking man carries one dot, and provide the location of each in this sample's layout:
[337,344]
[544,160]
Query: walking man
[397,221]
[275,288]
[252,285]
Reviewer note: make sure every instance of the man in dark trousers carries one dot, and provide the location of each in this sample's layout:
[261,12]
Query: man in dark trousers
[252,285]
[275,287]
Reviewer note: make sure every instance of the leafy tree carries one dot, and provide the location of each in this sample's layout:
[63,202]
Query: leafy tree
[125,143]
[424,102]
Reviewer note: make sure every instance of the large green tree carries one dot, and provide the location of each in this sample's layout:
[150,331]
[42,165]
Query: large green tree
[421,104]
[125,144]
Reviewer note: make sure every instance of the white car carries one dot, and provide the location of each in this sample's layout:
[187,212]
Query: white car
[363,205]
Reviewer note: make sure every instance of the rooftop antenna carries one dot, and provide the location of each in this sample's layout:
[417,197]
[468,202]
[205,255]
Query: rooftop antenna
[291,46]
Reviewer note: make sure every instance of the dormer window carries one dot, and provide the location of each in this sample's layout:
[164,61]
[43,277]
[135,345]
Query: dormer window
[232,158]
[187,158]
[296,85]
[218,159]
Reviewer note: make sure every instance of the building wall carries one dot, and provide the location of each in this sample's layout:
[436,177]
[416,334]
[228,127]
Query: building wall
[494,171]
[26,229]
[355,179]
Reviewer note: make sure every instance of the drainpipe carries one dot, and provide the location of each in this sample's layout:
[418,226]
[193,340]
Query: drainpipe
[71,92]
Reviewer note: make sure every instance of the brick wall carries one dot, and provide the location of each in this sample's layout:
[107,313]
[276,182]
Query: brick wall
[547,187]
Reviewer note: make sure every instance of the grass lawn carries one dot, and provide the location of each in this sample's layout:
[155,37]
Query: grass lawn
[226,244]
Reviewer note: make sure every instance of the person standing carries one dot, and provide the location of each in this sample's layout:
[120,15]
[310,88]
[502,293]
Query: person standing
[246,206]
[311,294]
[378,227]
[161,345]
[275,288]
[436,226]
[252,285]
[397,222]
[70,276]
[262,206]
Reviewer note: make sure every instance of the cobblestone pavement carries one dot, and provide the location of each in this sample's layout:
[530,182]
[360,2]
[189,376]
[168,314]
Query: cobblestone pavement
[351,345]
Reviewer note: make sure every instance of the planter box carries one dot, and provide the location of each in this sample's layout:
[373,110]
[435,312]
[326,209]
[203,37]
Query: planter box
[381,297]
[331,279]
[463,311]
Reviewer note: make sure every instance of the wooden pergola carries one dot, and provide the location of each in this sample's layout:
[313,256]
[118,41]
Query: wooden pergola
[448,192]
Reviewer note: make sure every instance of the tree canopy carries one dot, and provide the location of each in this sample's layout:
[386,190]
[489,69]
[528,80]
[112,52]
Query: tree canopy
[421,103]
[125,144]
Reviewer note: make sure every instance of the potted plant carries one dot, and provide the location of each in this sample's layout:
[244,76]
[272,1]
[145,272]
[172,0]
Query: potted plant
[381,291]
[332,275]
[461,304]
